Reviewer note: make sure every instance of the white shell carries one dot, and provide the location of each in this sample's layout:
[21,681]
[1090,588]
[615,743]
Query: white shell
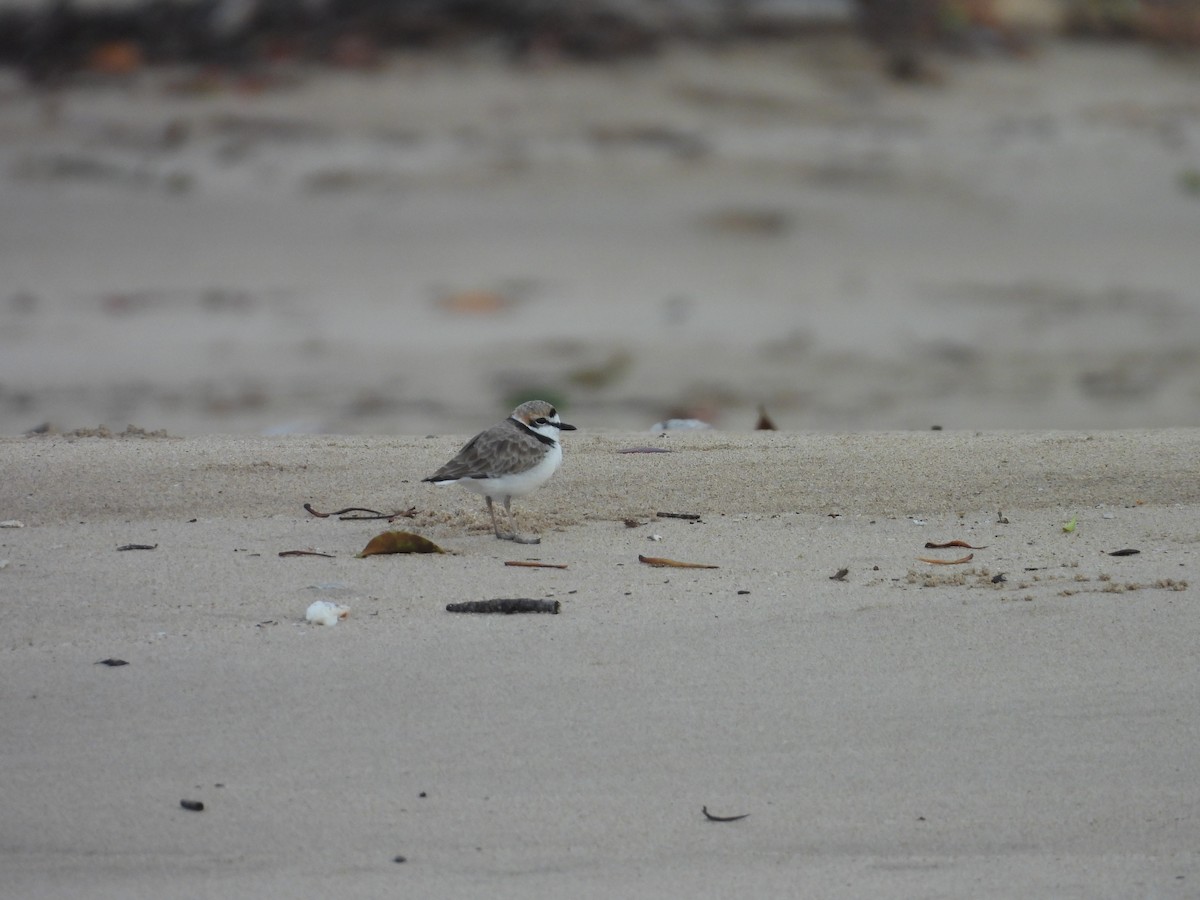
[323,612]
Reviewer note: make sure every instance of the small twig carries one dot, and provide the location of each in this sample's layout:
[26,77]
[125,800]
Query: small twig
[371,513]
[712,818]
[305,553]
[691,517]
[946,562]
[517,605]
[644,450]
[534,565]
[138,547]
[672,563]
[930,545]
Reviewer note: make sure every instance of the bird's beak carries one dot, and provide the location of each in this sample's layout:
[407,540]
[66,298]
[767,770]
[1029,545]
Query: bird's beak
[563,426]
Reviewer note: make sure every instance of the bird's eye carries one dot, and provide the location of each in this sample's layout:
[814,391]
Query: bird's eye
[541,420]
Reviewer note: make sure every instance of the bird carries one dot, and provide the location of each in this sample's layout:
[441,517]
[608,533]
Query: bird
[511,459]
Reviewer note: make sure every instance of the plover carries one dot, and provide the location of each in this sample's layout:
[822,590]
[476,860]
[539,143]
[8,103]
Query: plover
[511,459]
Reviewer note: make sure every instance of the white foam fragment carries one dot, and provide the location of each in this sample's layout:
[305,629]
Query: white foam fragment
[323,612]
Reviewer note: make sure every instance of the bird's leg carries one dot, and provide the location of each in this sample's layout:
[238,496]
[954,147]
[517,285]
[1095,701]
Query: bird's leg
[495,525]
[512,522]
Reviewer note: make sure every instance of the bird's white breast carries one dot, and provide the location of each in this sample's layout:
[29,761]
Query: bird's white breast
[518,484]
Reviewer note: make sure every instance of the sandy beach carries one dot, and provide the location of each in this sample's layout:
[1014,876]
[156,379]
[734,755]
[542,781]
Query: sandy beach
[313,289]
[1023,723]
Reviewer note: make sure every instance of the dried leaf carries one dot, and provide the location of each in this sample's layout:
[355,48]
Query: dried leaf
[672,563]
[399,542]
[475,302]
[305,553]
[946,562]
[1128,551]
[534,565]
[930,545]
[840,575]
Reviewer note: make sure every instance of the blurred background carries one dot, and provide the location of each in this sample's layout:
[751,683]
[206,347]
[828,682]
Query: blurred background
[406,216]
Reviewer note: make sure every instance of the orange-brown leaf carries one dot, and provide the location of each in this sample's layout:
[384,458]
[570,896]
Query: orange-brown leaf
[399,542]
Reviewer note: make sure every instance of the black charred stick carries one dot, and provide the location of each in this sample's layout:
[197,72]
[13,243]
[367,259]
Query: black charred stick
[506,606]
[713,818]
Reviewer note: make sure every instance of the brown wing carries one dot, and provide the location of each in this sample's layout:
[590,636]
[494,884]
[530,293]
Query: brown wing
[470,462]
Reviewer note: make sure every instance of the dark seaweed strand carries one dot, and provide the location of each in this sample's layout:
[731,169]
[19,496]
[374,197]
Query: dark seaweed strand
[505,606]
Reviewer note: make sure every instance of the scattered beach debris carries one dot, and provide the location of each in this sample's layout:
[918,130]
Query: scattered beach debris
[12,523]
[1001,518]
[680,425]
[368,513]
[712,818]
[399,859]
[1128,551]
[506,606]
[111,662]
[325,612]
[999,578]
[1070,526]
[690,517]
[604,374]
[672,563]
[131,431]
[644,450]
[747,221]
[399,542]
[306,553]
[474,302]
[137,547]
[946,562]
[675,142]
[192,805]
[765,422]
[633,523]
[839,575]
[530,564]
[931,545]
